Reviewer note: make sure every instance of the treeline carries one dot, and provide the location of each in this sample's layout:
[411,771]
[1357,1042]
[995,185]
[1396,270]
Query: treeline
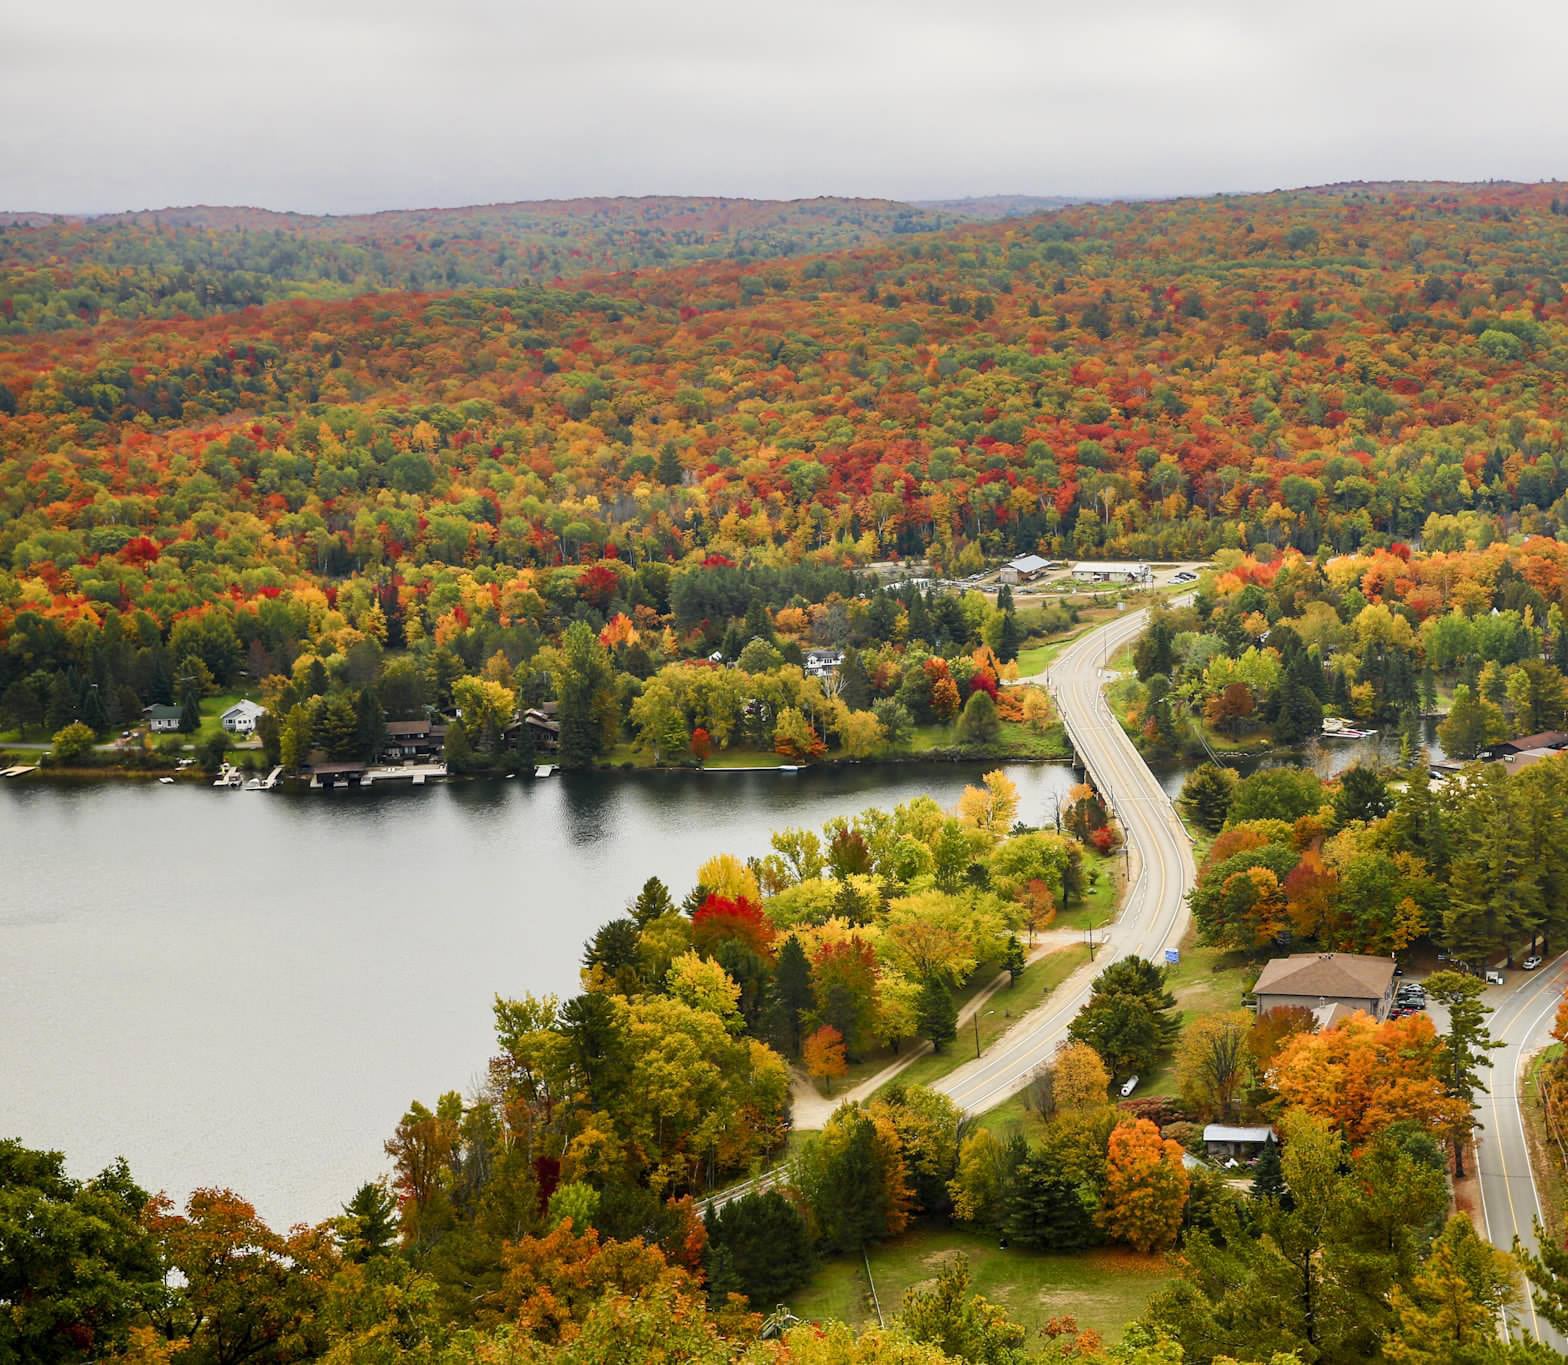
[678,662]
[1364,865]
[1273,643]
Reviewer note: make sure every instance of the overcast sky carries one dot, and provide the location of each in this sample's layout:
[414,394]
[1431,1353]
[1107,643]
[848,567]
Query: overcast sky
[348,105]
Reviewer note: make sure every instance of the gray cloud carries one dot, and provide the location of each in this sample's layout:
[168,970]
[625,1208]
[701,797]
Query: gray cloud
[345,105]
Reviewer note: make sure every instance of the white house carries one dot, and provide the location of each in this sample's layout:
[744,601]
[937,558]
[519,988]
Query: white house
[1113,571]
[162,720]
[241,718]
[822,662]
[1024,569]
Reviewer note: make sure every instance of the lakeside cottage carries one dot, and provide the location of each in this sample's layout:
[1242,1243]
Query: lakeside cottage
[1312,980]
[406,740]
[162,720]
[241,718]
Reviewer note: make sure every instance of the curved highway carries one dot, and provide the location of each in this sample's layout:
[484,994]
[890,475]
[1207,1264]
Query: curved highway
[1510,1201]
[1155,914]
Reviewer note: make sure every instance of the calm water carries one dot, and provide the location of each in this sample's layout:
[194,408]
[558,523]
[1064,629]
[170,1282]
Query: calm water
[246,989]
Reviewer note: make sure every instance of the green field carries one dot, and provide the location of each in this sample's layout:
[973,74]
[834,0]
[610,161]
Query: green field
[1103,1289]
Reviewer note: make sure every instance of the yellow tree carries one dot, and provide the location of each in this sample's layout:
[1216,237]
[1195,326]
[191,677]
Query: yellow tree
[992,807]
[1080,1080]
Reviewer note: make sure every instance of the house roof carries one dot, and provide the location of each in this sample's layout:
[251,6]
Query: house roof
[1110,566]
[157,711]
[1530,757]
[399,729]
[1028,563]
[245,707]
[1326,974]
[1331,1012]
[1546,739]
[1225,1132]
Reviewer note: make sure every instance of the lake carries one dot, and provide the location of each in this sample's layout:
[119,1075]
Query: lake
[246,989]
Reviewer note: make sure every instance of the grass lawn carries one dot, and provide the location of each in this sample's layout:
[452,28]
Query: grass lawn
[1107,877]
[1205,981]
[999,1014]
[1104,1289]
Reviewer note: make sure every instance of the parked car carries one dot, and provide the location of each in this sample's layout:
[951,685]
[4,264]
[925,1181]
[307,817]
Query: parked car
[1531,963]
[1129,1085]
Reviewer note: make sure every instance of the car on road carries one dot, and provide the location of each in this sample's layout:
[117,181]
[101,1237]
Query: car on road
[1531,963]
[1184,576]
[1129,1085]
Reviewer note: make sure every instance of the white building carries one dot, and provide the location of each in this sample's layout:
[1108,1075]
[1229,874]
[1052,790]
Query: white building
[821,663]
[1024,569]
[1113,571]
[241,718]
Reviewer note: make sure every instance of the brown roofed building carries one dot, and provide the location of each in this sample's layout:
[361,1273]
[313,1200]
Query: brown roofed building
[1308,980]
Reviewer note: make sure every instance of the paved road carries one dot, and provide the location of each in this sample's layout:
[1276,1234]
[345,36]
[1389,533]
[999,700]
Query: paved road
[1155,914]
[1510,1202]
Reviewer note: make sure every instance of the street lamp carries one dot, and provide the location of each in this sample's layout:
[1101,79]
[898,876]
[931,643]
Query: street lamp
[976,1017]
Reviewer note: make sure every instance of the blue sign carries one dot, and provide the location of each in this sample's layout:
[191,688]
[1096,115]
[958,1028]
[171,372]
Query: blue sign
[1172,956]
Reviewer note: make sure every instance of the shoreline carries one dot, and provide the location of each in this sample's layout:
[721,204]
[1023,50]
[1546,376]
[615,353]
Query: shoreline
[187,776]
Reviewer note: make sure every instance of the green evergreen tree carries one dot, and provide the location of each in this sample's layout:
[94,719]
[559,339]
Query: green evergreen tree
[763,1246]
[1465,1045]
[979,724]
[652,902]
[937,1015]
[368,1227]
[1014,961]
[1010,638]
[190,711]
[1268,1178]
[792,981]
[854,685]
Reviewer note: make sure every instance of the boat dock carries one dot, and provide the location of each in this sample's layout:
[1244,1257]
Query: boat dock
[20,770]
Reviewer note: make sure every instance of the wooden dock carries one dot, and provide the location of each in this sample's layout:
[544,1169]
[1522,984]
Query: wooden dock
[20,770]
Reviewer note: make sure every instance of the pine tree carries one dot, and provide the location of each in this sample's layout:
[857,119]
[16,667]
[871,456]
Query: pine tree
[652,902]
[937,1015]
[368,1227]
[1011,637]
[792,981]
[854,685]
[190,711]
[1268,1180]
[1465,1045]
[1014,961]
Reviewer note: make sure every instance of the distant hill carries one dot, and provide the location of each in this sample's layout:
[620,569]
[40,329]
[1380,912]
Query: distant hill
[989,207]
[63,272]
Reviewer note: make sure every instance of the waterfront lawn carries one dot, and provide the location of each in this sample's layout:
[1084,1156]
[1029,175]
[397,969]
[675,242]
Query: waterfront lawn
[1103,1289]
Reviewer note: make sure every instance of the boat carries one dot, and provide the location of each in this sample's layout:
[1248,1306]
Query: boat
[254,785]
[544,770]
[165,781]
[1336,727]
[229,776]
[789,767]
